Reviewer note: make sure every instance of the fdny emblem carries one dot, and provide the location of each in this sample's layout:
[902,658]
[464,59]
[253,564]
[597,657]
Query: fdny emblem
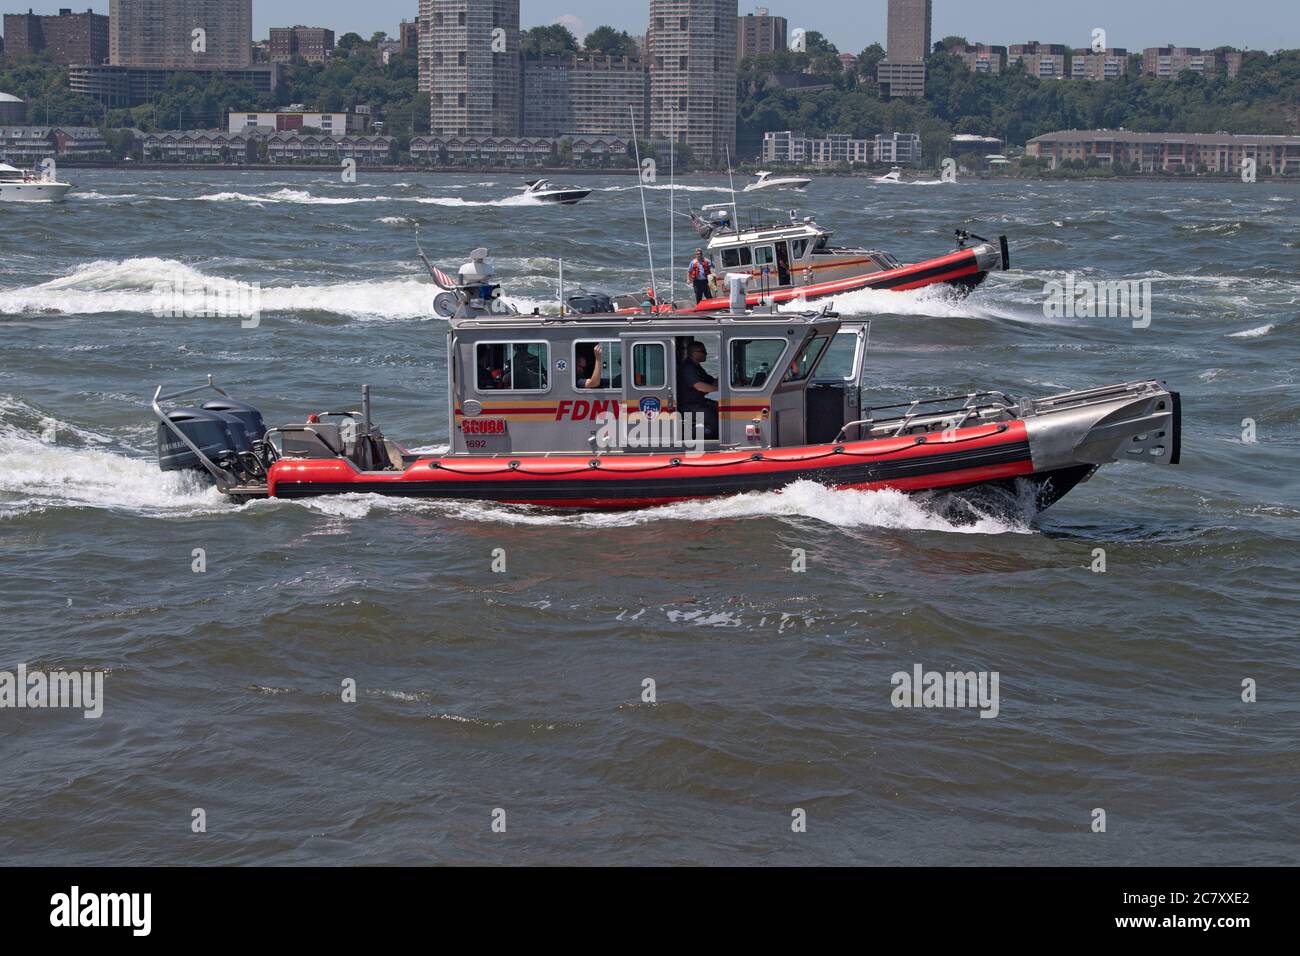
[650,408]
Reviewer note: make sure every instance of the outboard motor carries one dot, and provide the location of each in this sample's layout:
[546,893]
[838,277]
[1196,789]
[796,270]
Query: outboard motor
[591,303]
[248,417]
[209,431]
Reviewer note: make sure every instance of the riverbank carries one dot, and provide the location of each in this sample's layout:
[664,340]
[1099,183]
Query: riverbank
[555,172]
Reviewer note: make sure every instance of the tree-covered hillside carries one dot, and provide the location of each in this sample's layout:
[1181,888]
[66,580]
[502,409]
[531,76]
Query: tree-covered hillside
[1264,98]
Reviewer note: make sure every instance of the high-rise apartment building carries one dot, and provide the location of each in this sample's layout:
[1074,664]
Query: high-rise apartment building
[470,51]
[424,44]
[313,44]
[908,37]
[68,38]
[408,34]
[909,31]
[585,95]
[691,51]
[759,33]
[181,34]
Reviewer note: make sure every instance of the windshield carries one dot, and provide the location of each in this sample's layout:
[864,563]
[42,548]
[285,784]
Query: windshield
[807,359]
[840,357]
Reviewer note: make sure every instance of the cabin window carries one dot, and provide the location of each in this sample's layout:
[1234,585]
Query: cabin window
[739,256]
[764,255]
[511,366]
[841,358]
[798,247]
[611,365]
[649,366]
[821,245]
[752,361]
[807,359]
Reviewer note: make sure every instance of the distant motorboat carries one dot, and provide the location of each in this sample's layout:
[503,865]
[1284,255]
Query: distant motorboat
[542,190]
[895,175]
[768,180]
[17,185]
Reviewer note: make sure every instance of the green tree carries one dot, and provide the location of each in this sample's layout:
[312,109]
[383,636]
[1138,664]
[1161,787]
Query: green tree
[551,40]
[349,42]
[610,42]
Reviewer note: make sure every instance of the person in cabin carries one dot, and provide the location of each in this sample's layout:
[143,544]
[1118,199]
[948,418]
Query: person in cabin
[694,384]
[589,372]
[489,377]
[698,275]
[526,369]
[581,368]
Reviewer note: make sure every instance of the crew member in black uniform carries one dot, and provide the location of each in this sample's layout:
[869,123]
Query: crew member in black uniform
[695,383]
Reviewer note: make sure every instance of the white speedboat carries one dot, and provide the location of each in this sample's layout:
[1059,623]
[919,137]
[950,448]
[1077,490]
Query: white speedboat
[19,186]
[768,180]
[542,190]
[895,175]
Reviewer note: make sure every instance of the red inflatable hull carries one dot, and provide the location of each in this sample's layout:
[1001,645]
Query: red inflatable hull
[971,456]
[961,267]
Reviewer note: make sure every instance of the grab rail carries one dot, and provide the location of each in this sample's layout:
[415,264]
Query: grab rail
[224,478]
[916,406]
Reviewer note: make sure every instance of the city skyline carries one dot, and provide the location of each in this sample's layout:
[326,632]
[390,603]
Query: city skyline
[850,24]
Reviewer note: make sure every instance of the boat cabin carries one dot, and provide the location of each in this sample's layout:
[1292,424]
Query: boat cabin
[10,174]
[795,253]
[611,384]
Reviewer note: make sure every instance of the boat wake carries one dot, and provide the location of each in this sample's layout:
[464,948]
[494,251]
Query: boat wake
[305,198]
[801,500]
[522,199]
[49,464]
[938,302]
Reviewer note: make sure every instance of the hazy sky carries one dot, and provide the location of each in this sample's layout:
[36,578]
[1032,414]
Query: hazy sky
[853,24]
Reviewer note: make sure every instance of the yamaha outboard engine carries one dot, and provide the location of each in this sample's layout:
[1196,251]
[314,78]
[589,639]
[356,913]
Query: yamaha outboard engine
[591,303]
[228,432]
[209,431]
[248,417]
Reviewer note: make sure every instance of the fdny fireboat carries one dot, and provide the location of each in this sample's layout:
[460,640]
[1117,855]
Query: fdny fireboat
[592,411]
[795,261]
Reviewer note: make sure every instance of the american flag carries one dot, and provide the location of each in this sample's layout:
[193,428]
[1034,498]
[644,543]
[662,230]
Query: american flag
[440,277]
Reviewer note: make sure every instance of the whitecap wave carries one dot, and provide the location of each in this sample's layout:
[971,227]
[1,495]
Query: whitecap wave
[1255,333]
[138,286]
[300,196]
[681,188]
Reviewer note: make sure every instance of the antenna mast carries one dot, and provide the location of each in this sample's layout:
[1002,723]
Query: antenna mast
[732,180]
[672,208]
[644,215]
